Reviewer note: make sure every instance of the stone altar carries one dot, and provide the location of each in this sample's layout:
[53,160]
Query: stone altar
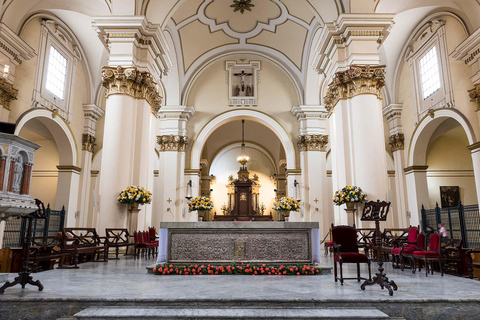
[238,241]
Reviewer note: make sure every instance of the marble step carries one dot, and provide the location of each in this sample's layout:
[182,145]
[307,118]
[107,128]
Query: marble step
[3,278]
[132,313]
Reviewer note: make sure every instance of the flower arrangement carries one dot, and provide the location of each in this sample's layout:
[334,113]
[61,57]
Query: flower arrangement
[349,194]
[135,194]
[234,268]
[200,203]
[286,204]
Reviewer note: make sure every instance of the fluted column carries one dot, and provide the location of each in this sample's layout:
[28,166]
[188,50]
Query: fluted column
[172,140]
[91,114]
[312,144]
[356,124]
[393,113]
[133,101]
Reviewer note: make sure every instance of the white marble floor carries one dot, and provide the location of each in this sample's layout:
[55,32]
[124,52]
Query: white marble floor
[127,279]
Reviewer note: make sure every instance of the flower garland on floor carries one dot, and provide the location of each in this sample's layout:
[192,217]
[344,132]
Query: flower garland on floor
[235,269]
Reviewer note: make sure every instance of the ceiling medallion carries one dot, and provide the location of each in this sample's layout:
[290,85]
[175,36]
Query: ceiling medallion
[242,5]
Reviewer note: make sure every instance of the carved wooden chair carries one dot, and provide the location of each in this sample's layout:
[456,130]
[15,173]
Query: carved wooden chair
[346,251]
[407,248]
[431,255]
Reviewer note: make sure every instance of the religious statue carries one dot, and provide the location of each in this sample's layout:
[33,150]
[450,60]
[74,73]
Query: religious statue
[18,174]
[236,91]
[242,78]
[249,91]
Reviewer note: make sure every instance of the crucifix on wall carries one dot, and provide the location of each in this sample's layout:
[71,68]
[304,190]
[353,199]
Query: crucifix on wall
[243,79]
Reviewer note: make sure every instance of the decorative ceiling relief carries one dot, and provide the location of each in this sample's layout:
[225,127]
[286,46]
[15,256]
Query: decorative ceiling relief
[242,5]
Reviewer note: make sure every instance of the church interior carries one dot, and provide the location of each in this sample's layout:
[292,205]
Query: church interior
[240,131]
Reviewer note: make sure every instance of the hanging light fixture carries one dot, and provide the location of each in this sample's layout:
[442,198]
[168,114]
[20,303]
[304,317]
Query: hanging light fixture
[243,158]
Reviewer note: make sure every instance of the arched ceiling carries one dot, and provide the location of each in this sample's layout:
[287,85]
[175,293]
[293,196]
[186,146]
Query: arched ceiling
[205,29]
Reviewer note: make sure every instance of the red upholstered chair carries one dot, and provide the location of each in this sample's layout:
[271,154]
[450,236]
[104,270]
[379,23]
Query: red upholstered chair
[433,254]
[151,246]
[329,245]
[408,249]
[346,251]
[411,244]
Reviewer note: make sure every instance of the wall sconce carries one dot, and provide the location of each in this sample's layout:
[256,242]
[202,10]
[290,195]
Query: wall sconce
[296,186]
[189,190]
[6,71]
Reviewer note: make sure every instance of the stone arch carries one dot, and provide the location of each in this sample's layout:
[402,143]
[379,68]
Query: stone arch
[246,114]
[421,136]
[60,130]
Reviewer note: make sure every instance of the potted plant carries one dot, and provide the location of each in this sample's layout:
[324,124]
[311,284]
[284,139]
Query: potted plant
[287,205]
[133,196]
[200,203]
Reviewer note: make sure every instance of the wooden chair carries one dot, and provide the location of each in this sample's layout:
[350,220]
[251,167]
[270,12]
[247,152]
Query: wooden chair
[346,251]
[431,255]
[453,256]
[407,248]
[473,262]
[328,245]
[118,238]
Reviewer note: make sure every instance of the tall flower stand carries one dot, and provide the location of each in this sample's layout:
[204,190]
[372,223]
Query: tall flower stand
[192,216]
[132,213]
[295,216]
[377,211]
[351,210]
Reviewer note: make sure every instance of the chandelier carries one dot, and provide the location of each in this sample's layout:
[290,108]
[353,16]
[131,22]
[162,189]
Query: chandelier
[243,158]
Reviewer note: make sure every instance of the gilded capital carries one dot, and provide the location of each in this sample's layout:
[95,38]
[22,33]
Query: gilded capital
[172,143]
[88,142]
[397,142]
[313,142]
[132,82]
[356,80]
[475,96]
[7,93]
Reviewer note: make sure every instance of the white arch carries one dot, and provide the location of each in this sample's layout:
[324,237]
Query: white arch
[247,114]
[61,132]
[423,133]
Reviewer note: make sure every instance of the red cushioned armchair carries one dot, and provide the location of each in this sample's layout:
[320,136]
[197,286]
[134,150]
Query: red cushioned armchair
[433,254]
[407,248]
[346,251]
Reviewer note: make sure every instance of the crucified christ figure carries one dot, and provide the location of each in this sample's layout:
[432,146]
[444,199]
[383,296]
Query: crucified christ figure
[242,78]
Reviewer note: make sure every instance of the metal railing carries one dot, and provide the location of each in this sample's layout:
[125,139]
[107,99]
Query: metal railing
[461,222]
[15,229]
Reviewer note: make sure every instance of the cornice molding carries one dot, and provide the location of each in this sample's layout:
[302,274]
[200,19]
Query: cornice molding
[132,82]
[355,81]
[415,169]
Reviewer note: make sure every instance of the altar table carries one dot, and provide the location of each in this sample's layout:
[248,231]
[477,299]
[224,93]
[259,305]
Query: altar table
[239,241]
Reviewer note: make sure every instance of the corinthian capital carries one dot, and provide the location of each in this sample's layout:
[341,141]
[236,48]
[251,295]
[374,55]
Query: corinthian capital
[353,82]
[88,142]
[172,143]
[475,95]
[313,142]
[132,82]
[7,93]
[397,142]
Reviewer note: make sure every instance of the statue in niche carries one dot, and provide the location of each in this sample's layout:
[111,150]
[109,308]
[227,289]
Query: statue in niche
[18,174]
[236,91]
[249,91]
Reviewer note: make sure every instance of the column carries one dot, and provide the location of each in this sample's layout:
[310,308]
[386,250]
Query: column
[354,97]
[27,176]
[475,150]
[67,195]
[91,114]
[172,140]
[393,112]
[417,192]
[132,95]
[312,143]
[3,162]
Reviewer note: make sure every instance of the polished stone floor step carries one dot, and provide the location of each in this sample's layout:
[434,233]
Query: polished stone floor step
[132,313]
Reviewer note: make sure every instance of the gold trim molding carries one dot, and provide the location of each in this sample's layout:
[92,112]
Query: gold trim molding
[88,142]
[7,93]
[313,142]
[69,169]
[132,82]
[172,143]
[415,169]
[475,96]
[397,142]
[355,81]
[474,146]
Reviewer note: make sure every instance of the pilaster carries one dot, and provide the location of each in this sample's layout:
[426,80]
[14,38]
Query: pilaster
[475,151]
[417,191]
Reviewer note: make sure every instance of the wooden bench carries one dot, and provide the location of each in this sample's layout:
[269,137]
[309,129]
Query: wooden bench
[78,243]
[473,262]
[118,238]
[45,252]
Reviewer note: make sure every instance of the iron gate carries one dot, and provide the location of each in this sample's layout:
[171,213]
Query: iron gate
[461,222]
[15,229]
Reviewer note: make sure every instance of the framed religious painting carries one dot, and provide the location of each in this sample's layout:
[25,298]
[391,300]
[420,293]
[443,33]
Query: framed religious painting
[449,196]
[242,81]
